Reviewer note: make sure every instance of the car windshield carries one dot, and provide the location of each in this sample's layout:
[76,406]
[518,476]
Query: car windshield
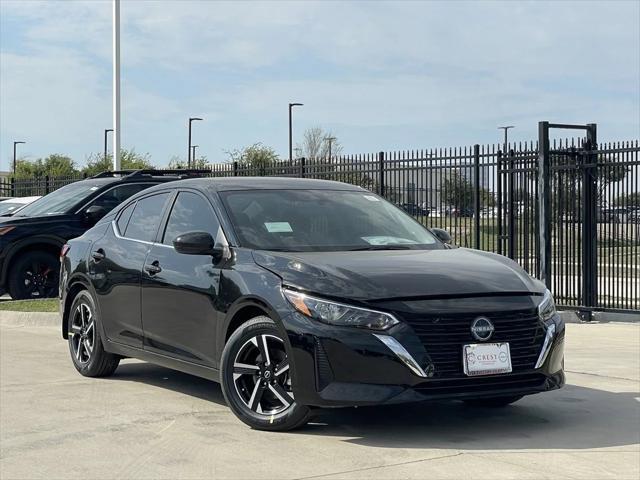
[322,220]
[9,207]
[59,201]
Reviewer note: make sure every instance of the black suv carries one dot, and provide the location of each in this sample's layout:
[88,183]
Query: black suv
[300,293]
[30,240]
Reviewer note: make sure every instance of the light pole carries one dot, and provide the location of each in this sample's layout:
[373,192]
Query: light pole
[14,156]
[506,129]
[106,133]
[330,140]
[193,153]
[116,85]
[291,105]
[191,119]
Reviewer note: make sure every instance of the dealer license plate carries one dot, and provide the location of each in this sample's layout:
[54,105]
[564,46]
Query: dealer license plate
[486,359]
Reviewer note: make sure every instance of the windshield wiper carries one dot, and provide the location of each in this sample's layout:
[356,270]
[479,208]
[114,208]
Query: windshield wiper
[380,247]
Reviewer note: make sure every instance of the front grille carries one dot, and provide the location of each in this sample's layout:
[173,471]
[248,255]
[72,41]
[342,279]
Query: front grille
[444,335]
[482,385]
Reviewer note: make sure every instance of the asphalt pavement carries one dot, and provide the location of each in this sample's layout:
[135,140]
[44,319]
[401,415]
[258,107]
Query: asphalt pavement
[151,422]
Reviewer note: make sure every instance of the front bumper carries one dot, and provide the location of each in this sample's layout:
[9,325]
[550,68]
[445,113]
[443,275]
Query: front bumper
[337,367]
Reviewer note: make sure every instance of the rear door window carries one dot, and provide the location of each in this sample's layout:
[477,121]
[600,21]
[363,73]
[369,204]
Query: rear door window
[146,217]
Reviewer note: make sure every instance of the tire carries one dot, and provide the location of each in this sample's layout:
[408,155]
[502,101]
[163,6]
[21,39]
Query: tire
[34,275]
[495,402]
[259,393]
[85,343]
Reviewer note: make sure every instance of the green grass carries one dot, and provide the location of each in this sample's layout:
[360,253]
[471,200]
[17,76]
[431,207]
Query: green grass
[44,305]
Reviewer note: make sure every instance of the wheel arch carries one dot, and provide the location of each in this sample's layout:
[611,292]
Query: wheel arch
[75,285]
[243,310]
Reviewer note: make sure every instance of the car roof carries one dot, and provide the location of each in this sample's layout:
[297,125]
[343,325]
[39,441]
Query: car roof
[221,184]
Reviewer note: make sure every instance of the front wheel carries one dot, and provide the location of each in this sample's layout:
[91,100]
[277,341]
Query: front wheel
[495,402]
[256,378]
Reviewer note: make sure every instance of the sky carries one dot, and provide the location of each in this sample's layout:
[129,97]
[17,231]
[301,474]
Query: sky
[378,75]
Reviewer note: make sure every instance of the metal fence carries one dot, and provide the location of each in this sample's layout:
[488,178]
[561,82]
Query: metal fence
[565,210]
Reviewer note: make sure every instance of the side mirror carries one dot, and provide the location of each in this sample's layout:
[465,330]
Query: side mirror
[94,213]
[443,235]
[196,243]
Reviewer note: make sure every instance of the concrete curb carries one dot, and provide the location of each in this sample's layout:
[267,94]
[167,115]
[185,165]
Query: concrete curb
[29,319]
[601,317]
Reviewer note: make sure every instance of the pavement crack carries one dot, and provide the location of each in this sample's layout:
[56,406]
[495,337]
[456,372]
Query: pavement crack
[603,376]
[409,462]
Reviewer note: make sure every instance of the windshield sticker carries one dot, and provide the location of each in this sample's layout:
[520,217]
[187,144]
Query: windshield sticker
[278,227]
[371,198]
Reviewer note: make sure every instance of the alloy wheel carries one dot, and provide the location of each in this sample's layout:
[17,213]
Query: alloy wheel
[40,280]
[261,375]
[83,333]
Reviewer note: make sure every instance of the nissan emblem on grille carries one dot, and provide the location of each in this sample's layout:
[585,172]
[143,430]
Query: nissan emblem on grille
[482,329]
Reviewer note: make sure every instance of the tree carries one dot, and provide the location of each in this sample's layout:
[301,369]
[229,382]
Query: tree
[178,163]
[315,144]
[628,200]
[459,192]
[129,160]
[256,156]
[55,165]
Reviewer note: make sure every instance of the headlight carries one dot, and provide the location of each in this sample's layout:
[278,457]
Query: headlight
[547,308]
[337,313]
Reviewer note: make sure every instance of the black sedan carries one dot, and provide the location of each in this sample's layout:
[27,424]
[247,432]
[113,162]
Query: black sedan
[297,294]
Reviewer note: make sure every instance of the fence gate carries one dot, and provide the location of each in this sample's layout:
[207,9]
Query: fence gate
[588,229]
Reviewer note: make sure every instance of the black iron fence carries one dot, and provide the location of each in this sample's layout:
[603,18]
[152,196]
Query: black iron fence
[568,211]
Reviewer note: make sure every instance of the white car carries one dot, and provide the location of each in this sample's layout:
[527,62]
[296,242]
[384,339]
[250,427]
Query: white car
[12,205]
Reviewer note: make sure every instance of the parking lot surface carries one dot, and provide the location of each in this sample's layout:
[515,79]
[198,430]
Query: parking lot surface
[150,422]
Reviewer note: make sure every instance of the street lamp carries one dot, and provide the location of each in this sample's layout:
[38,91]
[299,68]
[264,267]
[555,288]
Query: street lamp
[191,119]
[14,156]
[506,129]
[193,153]
[330,139]
[291,105]
[106,132]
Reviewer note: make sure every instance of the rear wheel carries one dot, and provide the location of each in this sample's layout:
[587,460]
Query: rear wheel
[34,275]
[495,402]
[256,378]
[85,344]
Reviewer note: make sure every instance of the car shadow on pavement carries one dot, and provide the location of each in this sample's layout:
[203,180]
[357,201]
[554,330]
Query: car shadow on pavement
[574,417]
[571,418]
[158,376]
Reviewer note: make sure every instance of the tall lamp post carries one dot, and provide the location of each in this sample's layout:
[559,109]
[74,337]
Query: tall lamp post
[191,119]
[330,140]
[291,105]
[14,156]
[506,129]
[106,133]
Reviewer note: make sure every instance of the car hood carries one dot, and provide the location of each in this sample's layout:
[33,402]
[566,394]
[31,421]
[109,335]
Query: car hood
[394,274]
[17,220]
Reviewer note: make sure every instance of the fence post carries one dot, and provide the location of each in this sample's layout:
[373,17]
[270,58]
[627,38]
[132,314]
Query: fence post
[512,204]
[500,199]
[13,187]
[302,167]
[46,184]
[381,172]
[589,223]
[476,203]
[544,199]
[235,169]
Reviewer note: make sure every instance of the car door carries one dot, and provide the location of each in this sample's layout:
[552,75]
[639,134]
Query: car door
[179,291]
[115,264]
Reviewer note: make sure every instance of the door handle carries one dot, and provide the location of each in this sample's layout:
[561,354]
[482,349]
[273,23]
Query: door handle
[98,255]
[153,268]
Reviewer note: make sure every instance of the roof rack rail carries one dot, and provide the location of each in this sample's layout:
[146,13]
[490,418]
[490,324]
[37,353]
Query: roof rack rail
[149,172]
